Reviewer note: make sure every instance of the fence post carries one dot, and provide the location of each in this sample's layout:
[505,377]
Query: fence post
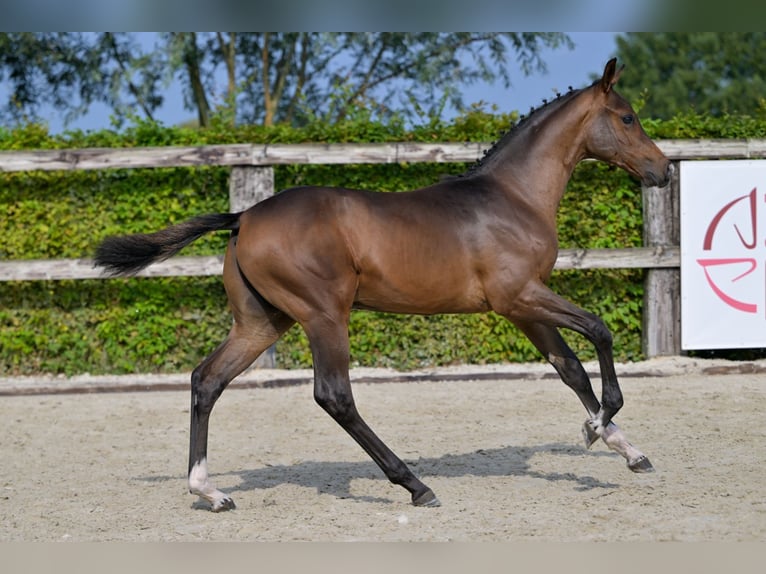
[247,186]
[661,334]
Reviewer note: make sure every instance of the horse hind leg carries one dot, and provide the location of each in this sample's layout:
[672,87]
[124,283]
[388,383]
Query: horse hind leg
[552,345]
[332,391]
[208,381]
[257,325]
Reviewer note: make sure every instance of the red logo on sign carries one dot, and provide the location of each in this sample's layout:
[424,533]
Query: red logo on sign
[749,241]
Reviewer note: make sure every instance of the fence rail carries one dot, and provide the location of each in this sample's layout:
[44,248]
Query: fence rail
[252,180]
[201,265]
[313,153]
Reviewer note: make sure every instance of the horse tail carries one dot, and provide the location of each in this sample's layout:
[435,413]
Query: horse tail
[129,254]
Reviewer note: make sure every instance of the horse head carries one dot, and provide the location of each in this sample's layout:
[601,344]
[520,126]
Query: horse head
[615,134]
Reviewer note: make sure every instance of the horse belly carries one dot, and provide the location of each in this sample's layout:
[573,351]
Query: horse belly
[424,291]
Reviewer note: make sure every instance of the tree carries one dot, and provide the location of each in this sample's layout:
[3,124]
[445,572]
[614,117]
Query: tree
[329,74]
[268,77]
[71,71]
[712,72]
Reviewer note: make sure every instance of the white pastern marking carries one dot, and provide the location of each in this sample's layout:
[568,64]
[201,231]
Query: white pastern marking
[198,482]
[615,439]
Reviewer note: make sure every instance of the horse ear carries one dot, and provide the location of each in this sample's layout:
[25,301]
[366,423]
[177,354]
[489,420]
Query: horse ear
[611,75]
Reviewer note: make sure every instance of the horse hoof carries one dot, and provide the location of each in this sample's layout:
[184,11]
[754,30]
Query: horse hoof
[589,435]
[223,504]
[641,464]
[428,498]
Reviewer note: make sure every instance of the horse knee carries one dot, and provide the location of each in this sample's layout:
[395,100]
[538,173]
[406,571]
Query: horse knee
[600,333]
[570,370]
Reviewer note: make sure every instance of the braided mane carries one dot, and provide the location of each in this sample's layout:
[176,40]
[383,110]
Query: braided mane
[519,127]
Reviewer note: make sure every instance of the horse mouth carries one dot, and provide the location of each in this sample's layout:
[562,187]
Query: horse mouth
[652,179]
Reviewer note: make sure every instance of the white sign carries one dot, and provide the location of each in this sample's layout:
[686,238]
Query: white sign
[723,254]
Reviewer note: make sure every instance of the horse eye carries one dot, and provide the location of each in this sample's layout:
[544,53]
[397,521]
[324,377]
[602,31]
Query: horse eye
[627,120]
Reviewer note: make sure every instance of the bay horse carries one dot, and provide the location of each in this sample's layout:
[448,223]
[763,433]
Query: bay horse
[482,241]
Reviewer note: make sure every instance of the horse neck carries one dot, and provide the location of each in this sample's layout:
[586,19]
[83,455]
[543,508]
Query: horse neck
[538,158]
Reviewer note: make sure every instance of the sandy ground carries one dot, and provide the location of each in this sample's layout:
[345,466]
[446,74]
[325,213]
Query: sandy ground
[503,454]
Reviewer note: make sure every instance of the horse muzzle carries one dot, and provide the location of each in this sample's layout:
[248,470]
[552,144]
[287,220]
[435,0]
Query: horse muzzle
[660,178]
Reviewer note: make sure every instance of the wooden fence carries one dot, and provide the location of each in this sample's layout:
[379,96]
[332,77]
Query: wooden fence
[252,180]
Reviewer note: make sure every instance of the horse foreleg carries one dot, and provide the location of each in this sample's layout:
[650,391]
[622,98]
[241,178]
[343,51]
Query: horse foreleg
[538,304]
[552,345]
[615,439]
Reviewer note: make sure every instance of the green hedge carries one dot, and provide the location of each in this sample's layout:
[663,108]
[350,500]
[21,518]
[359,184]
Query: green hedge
[170,324]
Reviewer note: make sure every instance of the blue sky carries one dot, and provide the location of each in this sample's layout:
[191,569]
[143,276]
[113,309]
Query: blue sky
[565,68]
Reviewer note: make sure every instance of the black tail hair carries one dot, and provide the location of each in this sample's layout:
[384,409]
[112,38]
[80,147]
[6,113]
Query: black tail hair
[129,254]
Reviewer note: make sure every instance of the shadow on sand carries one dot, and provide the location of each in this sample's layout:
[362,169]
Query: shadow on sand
[335,477]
